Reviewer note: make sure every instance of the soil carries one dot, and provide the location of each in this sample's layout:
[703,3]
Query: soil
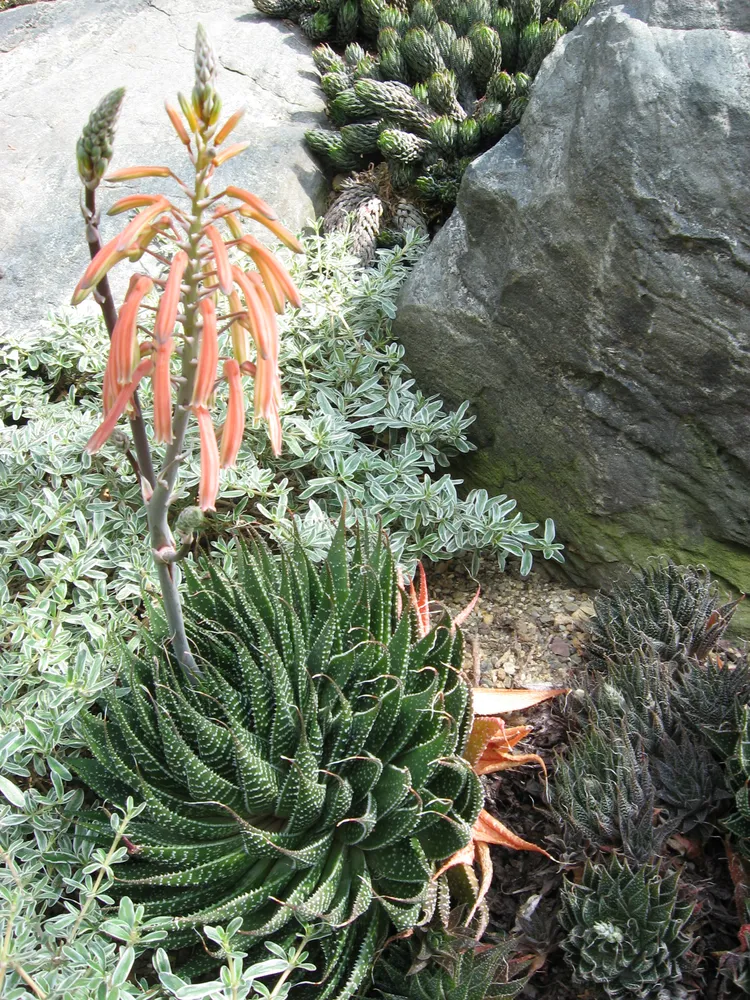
[531,633]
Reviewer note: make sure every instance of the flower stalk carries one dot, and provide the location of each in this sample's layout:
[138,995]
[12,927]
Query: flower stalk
[200,270]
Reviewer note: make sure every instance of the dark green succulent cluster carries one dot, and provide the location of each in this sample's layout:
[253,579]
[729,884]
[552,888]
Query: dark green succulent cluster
[626,931]
[313,771]
[654,726]
[447,80]
[674,610]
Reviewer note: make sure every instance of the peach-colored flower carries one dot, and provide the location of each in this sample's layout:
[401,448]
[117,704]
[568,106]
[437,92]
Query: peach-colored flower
[221,259]
[256,203]
[208,488]
[255,313]
[268,264]
[105,259]
[135,173]
[279,231]
[238,332]
[133,201]
[166,315]
[234,425]
[124,346]
[177,125]
[162,386]
[135,227]
[124,396]
[229,152]
[228,126]
[208,357]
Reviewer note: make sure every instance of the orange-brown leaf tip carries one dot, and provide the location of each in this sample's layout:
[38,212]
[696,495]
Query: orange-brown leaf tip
[489,830]
[234,426]
[208,487]
[229,125]
[174,117]
[135,173]
[221,259]
[491,701]
[229,152]
[209,355]
[256,203]
[465,612]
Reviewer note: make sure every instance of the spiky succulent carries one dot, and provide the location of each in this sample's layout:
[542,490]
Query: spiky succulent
[710,697]
[738,823]
[626,931]
[447,81]
[375,216]
[604,793]
[311,772]
[639,695]
[674,610]
[460,974]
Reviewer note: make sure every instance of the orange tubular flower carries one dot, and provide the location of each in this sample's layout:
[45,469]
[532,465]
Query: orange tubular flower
[133,201]
[239,335]
[255,312]
[105,259]
[234,426]
[166,315]
[177,125]
[279,231]
[162,386]
[256,203]
[265,261]
[229,152]
[135,173]
[228,126]
[124,396]
[134,228]
[209,355]
[221,259]
[123,347]
[208,488]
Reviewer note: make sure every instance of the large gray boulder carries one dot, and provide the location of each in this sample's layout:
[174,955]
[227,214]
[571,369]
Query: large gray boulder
[58,59]
[590,294]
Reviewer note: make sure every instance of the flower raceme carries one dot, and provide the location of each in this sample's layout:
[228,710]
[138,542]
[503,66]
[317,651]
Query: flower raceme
[205,293]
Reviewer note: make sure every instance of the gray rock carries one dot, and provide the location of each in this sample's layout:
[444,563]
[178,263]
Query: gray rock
[58,60]
[590,295]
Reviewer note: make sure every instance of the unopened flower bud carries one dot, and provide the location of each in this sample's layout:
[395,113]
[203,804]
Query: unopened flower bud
[188,522]
[94,148]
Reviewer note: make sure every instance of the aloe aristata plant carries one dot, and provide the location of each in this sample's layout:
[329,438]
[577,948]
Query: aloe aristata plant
[203,296]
